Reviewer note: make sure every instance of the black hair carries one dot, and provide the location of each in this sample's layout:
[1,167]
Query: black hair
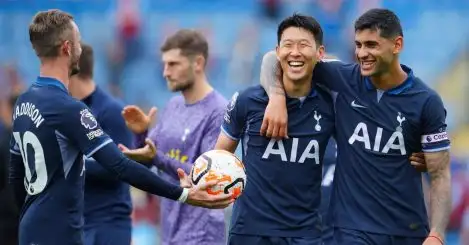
[301,21]
[86,62]
[383,20]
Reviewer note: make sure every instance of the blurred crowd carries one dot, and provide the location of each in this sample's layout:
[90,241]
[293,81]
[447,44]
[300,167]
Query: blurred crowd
[126,35]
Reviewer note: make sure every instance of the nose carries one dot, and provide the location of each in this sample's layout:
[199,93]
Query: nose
[361,53]
[295,51]
[166,72]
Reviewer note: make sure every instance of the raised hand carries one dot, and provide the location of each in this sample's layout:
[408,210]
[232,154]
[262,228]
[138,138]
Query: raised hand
[136,120]
[184,179]
[144,154]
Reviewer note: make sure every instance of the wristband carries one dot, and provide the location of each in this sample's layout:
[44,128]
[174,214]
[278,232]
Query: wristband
[436,236]
[184,195]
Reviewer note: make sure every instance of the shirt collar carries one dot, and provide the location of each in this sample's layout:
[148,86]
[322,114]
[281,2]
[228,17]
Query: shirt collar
[48,81]
[399,89]
[313,93]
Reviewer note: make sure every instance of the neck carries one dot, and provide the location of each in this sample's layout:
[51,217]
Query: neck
[198,91]
[390,79]
[297,89]
[84,89]
[53,69]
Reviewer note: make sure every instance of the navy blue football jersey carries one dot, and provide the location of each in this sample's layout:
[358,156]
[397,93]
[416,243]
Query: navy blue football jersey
[375,187]
[50,130]
[328,170]
[283,188]
[107,199]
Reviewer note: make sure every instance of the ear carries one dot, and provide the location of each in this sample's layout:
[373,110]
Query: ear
[321,52]
[199,62]
[398,45]
[66,47]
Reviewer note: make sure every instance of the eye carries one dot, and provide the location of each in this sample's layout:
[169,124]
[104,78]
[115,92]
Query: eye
[304,45]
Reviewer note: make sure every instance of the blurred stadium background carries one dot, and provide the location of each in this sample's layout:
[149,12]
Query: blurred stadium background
[126,35]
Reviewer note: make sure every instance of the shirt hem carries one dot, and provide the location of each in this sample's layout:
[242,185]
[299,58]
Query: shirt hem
[417,234]
[276,233]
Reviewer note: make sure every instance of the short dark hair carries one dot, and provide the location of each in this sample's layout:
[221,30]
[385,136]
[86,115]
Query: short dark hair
[47,31]
[86,62]
[190,42]
[301,21]
[383,20]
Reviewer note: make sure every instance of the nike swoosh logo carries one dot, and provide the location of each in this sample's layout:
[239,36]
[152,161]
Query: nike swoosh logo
[357,105]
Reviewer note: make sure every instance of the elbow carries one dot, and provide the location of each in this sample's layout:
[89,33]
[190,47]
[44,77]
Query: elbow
[438,165]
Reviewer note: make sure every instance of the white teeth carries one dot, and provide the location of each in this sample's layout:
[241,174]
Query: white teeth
[296,63]
[367,63]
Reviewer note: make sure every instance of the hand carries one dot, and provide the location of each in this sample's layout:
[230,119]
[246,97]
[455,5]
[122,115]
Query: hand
[275,120]
[198,196]
[184,179]
[417,160]
[136,120]
[432,241]
[144,154]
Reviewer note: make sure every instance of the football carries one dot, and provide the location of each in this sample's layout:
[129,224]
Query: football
[223,166]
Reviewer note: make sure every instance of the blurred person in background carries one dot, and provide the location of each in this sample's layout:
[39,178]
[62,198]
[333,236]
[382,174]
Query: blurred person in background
[244,56]
[9,212]
[107,199]
[127,46]
[187,127]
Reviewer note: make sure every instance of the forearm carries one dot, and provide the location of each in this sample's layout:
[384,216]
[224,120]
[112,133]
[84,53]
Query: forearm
[94,171]
[270,73]
[226,143]
[440,191]
[135,174]
[170,165]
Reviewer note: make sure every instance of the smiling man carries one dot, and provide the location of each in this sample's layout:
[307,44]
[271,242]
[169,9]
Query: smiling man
[280,204]
[384,113]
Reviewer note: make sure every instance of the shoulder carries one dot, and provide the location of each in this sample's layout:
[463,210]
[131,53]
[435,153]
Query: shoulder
[423,91]
[324,93]
[252,94]
[107,102]
[71,111]
[338,65]
[249,99]
[219,99]
[67,105]
[176,100]
[216,104]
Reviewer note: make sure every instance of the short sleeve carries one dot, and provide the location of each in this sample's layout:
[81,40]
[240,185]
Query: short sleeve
[434,136]
[80,126]
[234,118]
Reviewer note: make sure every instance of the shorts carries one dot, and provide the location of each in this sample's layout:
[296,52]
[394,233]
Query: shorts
[354,237]
[108,235]
[236,239]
